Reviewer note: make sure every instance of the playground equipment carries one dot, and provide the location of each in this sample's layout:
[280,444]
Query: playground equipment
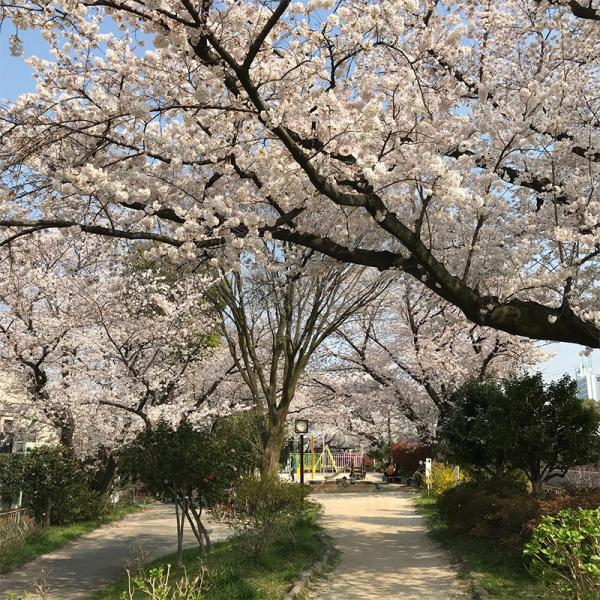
[327,461]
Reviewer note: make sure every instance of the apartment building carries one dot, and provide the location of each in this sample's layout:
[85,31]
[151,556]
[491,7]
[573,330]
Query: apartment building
[22,424]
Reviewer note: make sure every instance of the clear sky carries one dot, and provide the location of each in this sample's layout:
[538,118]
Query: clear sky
[15,75]
[567,360]
[15,79]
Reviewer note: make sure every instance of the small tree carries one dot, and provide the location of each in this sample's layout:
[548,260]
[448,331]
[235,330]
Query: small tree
[521,423]
[475,430]
[191,468]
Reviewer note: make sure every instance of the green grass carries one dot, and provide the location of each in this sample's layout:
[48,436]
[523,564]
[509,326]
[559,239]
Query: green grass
[54,537]
[498,571]
[232,575]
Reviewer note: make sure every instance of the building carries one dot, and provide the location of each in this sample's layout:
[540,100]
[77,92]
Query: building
[588,382]
[22,426]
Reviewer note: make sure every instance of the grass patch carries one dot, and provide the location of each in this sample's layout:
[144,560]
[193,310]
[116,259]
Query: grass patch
[56,536]
[232,575]
[498,571]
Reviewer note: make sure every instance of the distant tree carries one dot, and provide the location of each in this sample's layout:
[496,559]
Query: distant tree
[593,404]
[521,423]
[189,467]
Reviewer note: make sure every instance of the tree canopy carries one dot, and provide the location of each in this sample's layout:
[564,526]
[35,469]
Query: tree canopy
[521,423]
[455,141]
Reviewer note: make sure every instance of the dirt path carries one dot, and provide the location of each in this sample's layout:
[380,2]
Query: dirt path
[94,560]
[385,551]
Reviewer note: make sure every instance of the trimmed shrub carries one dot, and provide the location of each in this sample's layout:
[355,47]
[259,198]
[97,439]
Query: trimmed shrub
[265,509]
[503,510]
[53,483]
[11,475]
[55,487]
[565,552]
[497,509]
[552,505]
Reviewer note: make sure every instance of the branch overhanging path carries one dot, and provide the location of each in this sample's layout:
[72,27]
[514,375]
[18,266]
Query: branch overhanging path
[501,220]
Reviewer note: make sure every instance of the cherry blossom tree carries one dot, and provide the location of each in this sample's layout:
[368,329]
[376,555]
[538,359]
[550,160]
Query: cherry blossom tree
[39,281]
[406,353]
[456,142]
[347,408]
[89,331]
[146,341]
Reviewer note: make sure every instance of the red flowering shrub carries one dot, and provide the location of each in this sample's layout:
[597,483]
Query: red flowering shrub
[408,454]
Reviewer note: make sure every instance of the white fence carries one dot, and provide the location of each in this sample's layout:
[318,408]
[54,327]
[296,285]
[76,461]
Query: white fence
[584,477]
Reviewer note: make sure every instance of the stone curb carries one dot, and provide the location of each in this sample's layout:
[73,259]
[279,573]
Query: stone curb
[306,576]
[477,592]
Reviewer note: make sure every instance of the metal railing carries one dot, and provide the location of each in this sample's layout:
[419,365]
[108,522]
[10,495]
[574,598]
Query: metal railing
[13,516]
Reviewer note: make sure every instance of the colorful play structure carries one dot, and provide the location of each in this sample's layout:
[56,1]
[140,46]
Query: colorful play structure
[327,461]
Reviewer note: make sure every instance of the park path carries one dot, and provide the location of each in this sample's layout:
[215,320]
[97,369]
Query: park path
[386,552]
[96,559]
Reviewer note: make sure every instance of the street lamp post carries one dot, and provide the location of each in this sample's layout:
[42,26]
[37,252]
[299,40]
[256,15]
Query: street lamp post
[301,427]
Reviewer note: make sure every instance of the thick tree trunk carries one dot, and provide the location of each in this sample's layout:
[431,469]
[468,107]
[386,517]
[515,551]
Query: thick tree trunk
[535,476]
[537,486]
[67,432]
[103,478]
[273,443]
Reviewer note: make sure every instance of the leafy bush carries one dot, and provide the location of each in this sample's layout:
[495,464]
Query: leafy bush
[552,505]
[496,509]
[565,551]
[55,487]
[503,510]
[11,470]
[240,436]
[264,509]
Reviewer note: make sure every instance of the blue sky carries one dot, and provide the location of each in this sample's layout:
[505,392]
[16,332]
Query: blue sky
[15,79]
[15,75]
[567,360]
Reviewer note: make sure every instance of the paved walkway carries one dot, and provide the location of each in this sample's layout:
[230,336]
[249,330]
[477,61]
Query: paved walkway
[386,553]
[98,558]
